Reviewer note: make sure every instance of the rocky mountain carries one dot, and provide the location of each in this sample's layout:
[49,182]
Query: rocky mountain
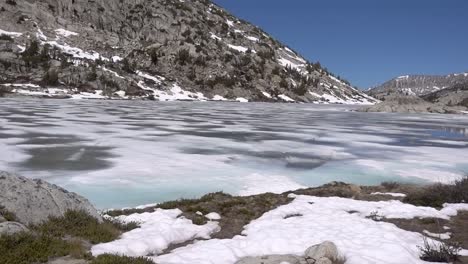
[153,49]
[418,85]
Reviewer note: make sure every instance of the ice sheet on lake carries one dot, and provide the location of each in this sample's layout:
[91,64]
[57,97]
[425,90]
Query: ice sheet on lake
[123,153]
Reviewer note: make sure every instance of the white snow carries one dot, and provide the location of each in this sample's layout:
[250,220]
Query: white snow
[238,48]
[10,33]
[156,79]
[286,98]
[219,98]
[65,33]
[76,52]
[389,194]
[213,216]
[157,231]
[29,85]
[213,36]
[359,239]
[444,236]
[254,39]
[242,100]
[116,58]
[266,94]
[22,48]
[113,72]
[288,63]
[230,22]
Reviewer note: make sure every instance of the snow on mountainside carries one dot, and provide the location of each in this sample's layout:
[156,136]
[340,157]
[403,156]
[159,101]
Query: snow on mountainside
[160,49]
[417,85]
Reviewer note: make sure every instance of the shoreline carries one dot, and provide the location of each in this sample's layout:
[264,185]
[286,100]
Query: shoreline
[218,217]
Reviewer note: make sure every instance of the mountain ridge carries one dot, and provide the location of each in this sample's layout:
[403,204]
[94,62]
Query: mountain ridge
[162,50]
[416,85]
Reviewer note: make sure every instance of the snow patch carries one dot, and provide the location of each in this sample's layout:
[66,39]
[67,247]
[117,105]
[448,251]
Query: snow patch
[65,33]
[10,33]
[157,231]
[389,194]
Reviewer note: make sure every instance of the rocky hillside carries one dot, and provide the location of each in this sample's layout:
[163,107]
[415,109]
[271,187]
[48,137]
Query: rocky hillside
[418,85]
[456,95]
[153,49]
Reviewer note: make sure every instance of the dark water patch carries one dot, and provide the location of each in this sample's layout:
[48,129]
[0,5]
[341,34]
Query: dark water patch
[68,158]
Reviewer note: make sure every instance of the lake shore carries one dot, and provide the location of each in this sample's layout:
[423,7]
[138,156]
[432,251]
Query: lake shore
[172,232]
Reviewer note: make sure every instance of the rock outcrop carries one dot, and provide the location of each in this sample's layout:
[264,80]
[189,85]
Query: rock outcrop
[33,201]
[158,49]
[411,104]
[10,228]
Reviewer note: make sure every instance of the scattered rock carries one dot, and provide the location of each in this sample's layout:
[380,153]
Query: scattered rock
[33,201]
[321,253]
[2,219]
[271,259]
[10,228]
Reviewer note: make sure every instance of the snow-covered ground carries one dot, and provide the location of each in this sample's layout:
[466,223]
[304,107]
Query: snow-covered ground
[289,229]
[157,231]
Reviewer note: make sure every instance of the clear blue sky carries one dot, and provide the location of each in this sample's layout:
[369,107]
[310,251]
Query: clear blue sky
[367,41]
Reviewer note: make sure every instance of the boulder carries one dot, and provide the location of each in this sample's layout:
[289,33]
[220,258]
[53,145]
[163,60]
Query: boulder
[10,228]
[33,201]
[2,219]
[323,261]
[326,250]
[271,259]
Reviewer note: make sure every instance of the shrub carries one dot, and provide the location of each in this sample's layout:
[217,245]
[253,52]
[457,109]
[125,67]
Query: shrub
[25,248]
[5,37]
[50,78]
[438,194]
[183,56]
[390,185]
[440,253]
[79,224]
[113,259]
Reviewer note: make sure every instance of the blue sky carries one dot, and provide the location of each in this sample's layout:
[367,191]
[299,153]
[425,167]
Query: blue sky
[367,41]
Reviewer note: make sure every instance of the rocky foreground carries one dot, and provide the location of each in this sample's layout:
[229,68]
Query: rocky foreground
[334,223]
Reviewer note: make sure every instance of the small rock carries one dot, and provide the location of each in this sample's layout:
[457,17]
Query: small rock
[323,261]
[326,249]
[10,228]
[271,259]
[2,219]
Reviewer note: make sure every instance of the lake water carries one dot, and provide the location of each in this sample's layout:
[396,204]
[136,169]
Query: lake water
[128,153]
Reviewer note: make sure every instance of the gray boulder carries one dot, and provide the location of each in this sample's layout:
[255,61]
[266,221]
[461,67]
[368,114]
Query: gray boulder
[2,219]
[321,253]
[271,259]
[33,201]
[10,228]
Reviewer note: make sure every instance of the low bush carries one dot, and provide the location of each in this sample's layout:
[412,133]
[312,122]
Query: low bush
[26,248]
[390,185]
[440,252]
[5,37]
[82,225]
[438,194]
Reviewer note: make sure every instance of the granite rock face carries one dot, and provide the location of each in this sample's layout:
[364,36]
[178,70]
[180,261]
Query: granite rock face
[157,49]
[33,201]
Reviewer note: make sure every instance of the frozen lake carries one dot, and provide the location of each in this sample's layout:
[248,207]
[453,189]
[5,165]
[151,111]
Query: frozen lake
[128,153]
